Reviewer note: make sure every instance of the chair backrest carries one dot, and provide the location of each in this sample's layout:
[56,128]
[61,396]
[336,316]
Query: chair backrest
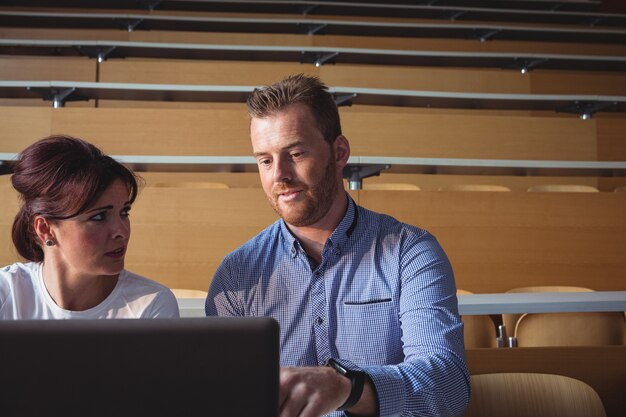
[192,184]
[479,331]
[510,320]
[621,189]
[570,188]
[570,329]
[551,288]
[188,293]
[474,187]
[532,395]
[390,186]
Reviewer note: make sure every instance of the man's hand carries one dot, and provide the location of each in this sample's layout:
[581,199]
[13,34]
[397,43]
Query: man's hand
[311,391]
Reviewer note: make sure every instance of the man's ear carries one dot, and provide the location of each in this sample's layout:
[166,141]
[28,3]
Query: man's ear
[42,229]
[341,147]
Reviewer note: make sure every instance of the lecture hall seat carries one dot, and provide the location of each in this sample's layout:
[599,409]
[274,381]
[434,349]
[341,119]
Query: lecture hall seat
[191,184]
[188,293]
[510,320]
[474,187]
[396,186]
[567,188]
[532,395]
[570,329]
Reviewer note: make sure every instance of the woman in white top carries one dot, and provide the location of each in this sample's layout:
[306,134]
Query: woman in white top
[73,227]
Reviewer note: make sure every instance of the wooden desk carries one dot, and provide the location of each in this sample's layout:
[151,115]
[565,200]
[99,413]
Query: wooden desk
[316,55]
[240,163]
[58,92]
[191,307]
[472,304]
[542,302]
[148,21]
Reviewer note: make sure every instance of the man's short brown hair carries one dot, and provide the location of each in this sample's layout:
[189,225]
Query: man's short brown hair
[310,91]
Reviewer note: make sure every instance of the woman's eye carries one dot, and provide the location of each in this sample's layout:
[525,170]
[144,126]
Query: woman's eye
[98,217]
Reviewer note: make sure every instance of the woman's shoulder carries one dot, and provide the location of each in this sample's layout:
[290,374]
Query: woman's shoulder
[147,297]
[18,272]
[131,280]
[18,278]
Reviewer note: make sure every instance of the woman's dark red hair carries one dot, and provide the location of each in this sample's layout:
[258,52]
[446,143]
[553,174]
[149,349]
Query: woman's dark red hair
[59,177]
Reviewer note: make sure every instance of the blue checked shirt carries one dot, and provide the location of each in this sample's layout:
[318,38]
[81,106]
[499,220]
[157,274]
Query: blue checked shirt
[383,298]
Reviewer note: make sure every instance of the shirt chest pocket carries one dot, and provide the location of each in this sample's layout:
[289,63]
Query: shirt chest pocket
[369,332]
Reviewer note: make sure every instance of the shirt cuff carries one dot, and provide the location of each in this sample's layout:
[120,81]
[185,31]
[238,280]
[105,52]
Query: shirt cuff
[389,387]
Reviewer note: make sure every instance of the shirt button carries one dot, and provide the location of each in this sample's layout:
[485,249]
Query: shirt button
[320,320]
[293,251]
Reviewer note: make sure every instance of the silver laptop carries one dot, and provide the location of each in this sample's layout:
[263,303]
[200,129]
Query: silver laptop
[223,367]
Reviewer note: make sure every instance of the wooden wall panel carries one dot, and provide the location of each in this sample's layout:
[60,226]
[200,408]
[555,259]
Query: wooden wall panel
[156,104]
[433,182]
[9,205]
[404,133]
[423,78]
[221,38]
[64,34]
[180,236]
[611,139]
[469,45]
[198,72]
[426,182]
[611,183]
[223,130]
[498,241]
[21,68]
[367,42]
[478,80]
[37,102]
[578,82]
[495,241]
[602,367]
[159,131]
[21,126]
[231,179]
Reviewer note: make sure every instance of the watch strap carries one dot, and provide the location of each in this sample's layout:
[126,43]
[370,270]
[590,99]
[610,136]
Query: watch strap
[357,379]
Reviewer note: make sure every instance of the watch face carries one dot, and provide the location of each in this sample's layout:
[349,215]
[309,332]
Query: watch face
[341,369]
[337,367]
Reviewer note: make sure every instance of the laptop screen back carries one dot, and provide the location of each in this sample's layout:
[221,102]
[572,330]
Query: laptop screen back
[164,367]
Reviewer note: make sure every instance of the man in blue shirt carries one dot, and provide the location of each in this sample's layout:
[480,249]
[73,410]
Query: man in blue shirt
[367,305]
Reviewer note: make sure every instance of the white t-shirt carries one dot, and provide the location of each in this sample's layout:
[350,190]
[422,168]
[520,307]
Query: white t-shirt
[23,295]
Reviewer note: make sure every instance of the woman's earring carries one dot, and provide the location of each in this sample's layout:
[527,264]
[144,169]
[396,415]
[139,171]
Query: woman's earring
[49,242]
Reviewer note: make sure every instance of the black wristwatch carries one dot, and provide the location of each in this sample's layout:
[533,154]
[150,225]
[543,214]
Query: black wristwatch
[357,378]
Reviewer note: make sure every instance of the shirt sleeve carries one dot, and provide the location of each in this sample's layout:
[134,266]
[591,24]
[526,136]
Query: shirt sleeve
[222,298]
[433,380]
[164,306]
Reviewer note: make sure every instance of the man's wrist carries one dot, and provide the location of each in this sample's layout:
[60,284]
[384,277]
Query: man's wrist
[357,380]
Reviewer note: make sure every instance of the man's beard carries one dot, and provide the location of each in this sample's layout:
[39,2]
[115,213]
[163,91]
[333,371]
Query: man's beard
[318,198]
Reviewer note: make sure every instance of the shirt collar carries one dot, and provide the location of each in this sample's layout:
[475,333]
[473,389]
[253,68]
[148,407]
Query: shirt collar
[291,243]
[338,238]
[347,225]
